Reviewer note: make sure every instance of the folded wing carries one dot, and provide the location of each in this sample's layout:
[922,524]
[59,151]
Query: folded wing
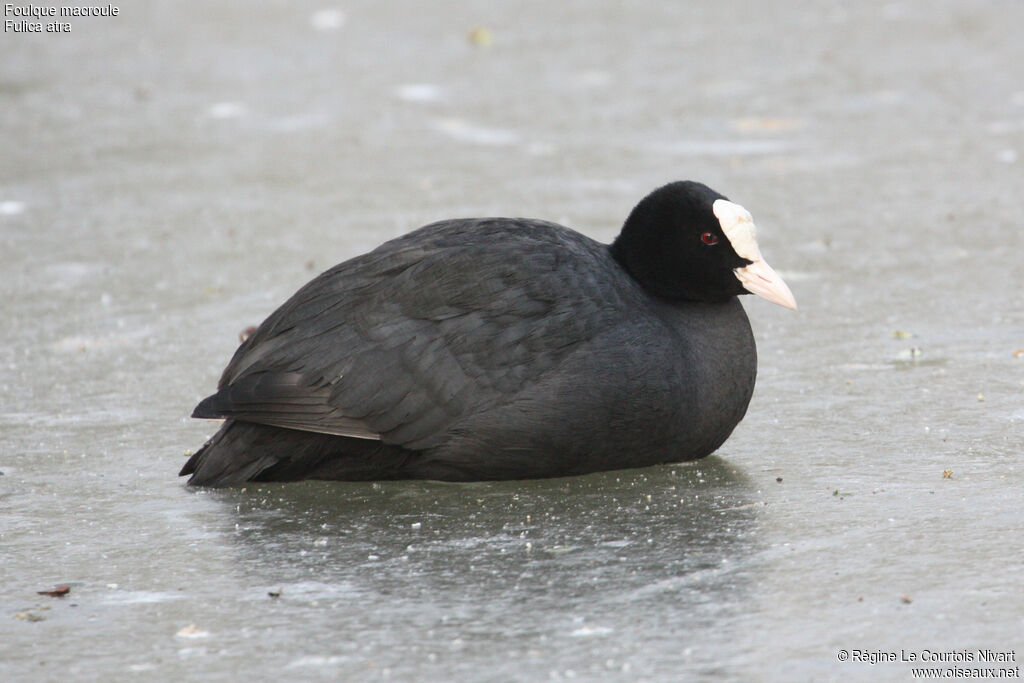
[401,343]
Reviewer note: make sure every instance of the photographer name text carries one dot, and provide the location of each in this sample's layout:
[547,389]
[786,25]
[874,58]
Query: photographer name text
[979,656]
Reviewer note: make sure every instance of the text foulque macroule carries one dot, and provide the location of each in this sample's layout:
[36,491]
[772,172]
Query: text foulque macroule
[19,18]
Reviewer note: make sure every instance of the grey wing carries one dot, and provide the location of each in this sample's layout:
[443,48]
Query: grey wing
[281,399]
[402,343]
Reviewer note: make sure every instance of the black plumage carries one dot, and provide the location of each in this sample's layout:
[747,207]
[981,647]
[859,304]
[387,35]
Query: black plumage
[495,348]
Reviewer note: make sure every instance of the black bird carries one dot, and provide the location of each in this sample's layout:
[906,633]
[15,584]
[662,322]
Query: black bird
[502,348]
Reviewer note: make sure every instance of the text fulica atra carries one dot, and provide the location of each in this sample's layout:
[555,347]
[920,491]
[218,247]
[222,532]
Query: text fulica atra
[502,348]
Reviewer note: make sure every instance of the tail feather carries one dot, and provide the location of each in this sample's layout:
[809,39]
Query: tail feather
[245,451]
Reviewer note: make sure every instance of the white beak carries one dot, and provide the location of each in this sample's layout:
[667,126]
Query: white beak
[761,279]
[758,277]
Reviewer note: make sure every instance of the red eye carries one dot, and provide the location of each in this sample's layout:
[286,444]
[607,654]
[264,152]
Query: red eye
[709,238]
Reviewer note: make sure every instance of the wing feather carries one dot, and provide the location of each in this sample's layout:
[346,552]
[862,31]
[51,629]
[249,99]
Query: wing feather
[402,343]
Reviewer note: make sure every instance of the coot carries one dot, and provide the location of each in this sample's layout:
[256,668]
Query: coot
[502,348]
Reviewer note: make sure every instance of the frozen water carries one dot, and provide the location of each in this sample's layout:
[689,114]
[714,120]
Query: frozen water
[169,176]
